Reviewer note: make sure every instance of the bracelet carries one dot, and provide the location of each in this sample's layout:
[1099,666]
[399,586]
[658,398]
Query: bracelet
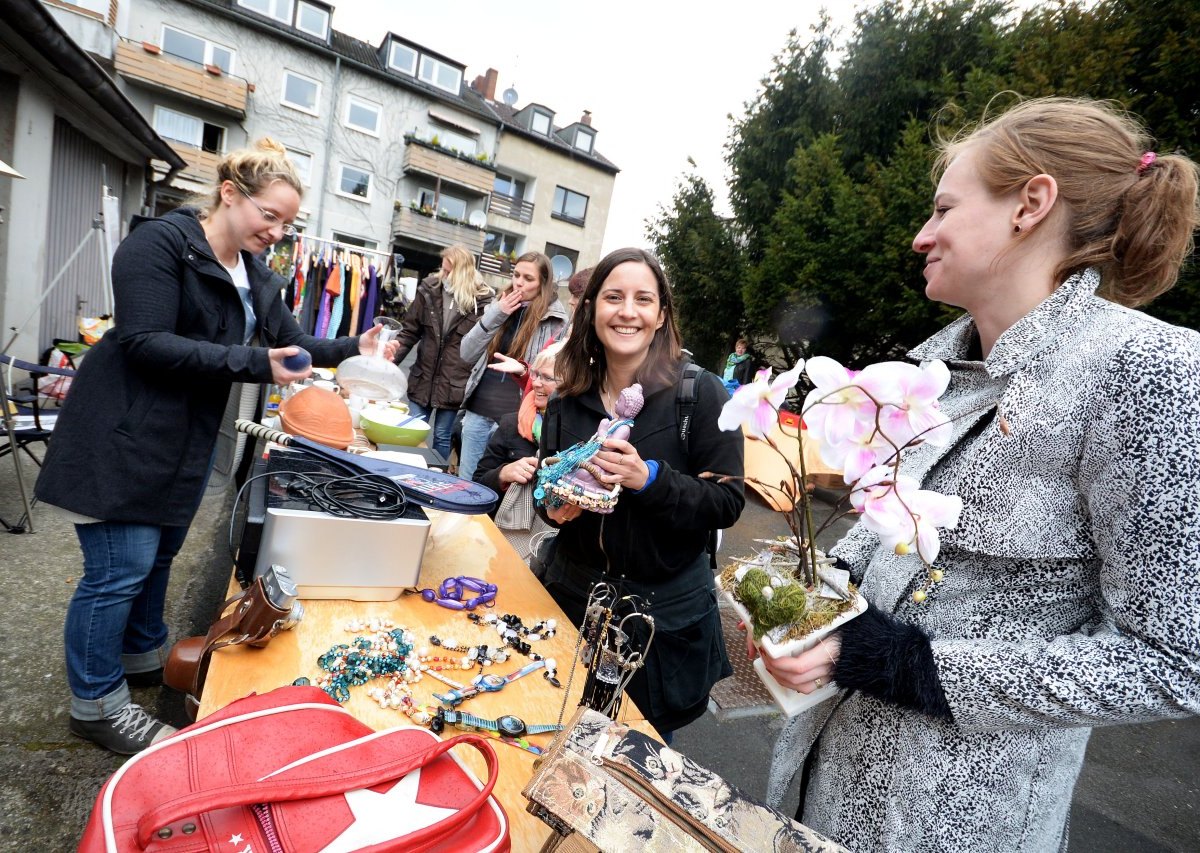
[450,593]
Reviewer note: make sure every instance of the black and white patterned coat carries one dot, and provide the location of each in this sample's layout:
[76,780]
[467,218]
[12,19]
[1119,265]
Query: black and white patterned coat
[1071,596]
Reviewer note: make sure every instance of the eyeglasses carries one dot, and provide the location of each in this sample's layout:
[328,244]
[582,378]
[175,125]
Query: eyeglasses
[269,217]
[546,379]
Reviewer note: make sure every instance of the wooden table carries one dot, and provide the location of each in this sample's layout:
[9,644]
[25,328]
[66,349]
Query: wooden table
[458,545]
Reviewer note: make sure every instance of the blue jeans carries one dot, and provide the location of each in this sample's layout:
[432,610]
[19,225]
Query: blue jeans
[115,619]
[476,430]
[442,426]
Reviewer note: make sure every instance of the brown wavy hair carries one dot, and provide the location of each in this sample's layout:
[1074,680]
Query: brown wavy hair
[534,314]
[1134,222]
[583,364]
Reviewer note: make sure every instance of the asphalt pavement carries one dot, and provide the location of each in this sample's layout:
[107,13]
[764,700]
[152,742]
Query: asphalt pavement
[1138,791]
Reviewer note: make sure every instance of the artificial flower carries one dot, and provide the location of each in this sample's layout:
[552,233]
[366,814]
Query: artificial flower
[903,515]
[755,407]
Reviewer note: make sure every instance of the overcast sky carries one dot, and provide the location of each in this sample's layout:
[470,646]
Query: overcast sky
[659,76]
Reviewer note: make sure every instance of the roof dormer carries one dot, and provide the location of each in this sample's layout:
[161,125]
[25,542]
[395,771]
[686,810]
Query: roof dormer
[310,17]
[580,135]
[406,57]
[536,119]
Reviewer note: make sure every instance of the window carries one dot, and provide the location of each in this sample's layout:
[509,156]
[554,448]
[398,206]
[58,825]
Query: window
[446,205]
[300,93]
[403,58]
[280,10]
[303,163]
[96,7]
[540,123]
[363,115]
[499,243]
[553,251]
[583,140]
[355,182]
[195,49]
[457,141]
[351,240]
[569,205]
[189,130]
[312,20]
[438,73]
[509,186]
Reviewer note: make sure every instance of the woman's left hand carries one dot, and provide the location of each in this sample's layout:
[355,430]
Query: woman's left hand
[369,340]
[808,671]
[624,465]
[507,364]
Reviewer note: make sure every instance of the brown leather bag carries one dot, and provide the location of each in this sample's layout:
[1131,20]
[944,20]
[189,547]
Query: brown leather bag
[247,618]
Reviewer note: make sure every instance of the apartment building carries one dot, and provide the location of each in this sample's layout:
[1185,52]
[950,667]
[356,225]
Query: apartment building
[396,152]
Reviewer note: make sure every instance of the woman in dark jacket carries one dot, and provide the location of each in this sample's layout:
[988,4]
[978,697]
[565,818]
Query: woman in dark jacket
[132,447]
[447,305]
[654,543]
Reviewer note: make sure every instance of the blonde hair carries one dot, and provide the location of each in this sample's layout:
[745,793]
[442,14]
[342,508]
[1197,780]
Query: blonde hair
[1131,217]
[251,170]
[464,283]
[548,353]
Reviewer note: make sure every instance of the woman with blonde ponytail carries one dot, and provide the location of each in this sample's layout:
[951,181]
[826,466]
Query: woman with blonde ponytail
[446,307]
[196,311]
[1067,595]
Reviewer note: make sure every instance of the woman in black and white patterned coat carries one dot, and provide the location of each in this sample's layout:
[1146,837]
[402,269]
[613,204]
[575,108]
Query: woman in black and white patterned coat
[1071,587]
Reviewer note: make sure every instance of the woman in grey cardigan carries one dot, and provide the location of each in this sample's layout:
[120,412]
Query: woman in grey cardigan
[1070,591]
[513,329]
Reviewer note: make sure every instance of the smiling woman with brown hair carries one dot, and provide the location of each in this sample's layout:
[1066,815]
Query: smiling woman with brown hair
[654,543]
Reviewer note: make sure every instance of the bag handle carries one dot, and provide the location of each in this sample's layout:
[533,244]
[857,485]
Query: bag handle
[288,790]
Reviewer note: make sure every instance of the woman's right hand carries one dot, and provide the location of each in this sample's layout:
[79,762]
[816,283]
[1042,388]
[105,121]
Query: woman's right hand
[509,301]
[280,375]
[520,472]
[808,671]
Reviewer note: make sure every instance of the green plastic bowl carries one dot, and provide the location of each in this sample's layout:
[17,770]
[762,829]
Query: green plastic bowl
[379,425]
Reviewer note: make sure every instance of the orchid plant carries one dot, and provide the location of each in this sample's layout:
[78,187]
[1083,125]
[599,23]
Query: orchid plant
[861,423]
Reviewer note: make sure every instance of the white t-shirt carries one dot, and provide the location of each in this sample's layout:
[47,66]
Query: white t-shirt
[242,282]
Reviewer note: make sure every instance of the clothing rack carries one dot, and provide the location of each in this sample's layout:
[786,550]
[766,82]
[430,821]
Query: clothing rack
[349,247]
[313,311]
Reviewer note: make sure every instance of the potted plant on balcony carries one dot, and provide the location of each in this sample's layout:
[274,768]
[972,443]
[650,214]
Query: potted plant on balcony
[790,594]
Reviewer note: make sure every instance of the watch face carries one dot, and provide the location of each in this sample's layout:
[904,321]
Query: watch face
[510,725]
[491,682]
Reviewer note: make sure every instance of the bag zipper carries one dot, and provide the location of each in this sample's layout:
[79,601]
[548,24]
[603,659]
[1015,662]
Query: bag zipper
[262,811]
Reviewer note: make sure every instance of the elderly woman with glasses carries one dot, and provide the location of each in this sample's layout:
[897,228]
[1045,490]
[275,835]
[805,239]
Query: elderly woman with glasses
[511,457]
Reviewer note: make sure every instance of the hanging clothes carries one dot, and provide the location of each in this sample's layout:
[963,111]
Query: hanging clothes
[356,277]
[372,297]
[332,296]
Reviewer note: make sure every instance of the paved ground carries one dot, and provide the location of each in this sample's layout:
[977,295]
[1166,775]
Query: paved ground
[1138,791]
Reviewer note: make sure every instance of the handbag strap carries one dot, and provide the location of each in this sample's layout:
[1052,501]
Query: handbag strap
[290,789]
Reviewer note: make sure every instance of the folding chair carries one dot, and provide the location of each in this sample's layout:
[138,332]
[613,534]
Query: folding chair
[28,421]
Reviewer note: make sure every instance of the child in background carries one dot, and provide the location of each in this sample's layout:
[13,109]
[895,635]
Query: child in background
[739,369]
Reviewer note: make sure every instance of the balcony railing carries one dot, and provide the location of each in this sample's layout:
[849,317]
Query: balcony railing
[160,71]
[429,229]
[201,165]
[512,207]
[496,266]
[422,158]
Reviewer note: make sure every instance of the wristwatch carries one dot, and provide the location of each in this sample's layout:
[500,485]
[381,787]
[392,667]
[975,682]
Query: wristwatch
[488,683]
[507,725]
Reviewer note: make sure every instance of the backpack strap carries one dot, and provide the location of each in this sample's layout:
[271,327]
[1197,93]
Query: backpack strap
[685,401]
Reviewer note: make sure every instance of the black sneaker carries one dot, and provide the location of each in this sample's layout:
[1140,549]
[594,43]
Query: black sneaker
[149,678]
[127,732]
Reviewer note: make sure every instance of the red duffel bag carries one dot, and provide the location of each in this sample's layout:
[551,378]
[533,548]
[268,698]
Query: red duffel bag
[291,771]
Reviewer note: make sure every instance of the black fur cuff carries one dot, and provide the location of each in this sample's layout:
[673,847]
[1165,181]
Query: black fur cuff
[890,660]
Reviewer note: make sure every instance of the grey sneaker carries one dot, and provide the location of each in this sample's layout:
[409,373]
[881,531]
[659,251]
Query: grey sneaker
[127,732]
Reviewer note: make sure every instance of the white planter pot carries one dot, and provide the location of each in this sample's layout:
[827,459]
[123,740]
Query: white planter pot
[790,701]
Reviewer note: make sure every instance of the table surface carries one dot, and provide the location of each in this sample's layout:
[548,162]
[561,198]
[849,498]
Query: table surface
[458,545]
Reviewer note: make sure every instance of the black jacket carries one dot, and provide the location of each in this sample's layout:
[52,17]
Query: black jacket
[506,445]
[134,440]
[438,379]
[654,543]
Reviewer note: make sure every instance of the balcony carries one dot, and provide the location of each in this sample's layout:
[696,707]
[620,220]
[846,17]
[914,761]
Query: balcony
[496,265]
[512,207]
[165,73]
[422,158]
[201,165]
[428,229]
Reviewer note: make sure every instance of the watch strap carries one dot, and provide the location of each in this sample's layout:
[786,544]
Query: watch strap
[542,729]
[523,671]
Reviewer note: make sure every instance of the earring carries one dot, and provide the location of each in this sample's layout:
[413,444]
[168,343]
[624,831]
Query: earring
[1016,229]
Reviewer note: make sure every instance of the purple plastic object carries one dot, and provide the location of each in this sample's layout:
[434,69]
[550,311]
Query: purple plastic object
[299,362]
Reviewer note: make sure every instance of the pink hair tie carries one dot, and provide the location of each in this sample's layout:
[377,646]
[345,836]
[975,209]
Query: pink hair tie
[1146,162]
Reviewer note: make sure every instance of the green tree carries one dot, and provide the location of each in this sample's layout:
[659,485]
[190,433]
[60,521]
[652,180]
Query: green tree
[702,260]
